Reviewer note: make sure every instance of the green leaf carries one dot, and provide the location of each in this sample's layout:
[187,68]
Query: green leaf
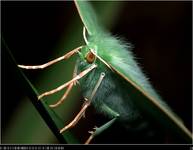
[53,121]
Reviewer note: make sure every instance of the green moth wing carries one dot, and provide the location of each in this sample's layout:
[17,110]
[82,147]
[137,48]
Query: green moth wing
[114,53]
[88,16]
[155,108]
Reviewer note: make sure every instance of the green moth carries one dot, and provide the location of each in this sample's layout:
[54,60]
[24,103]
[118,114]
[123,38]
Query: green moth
[112,81]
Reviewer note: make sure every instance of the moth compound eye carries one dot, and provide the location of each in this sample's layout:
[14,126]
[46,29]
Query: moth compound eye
[90,57]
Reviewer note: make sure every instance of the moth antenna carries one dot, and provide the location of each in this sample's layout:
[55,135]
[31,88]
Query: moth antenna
[66,56]
[84,35]
[83,73]
[85,106]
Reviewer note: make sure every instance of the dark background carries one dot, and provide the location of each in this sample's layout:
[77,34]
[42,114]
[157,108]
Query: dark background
[161,33]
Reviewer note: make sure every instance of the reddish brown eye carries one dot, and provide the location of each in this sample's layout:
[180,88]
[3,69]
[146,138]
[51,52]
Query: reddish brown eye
[90,57]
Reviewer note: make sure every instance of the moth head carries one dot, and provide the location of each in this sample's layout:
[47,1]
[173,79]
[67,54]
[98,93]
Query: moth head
[87,55]
[90,57]
[89,52]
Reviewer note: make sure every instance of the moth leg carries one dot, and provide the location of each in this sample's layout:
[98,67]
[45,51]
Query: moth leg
[102,75]
[83,73]
[67,91]
[75,73]
[66,56]
[84,115]
[63,97]
[77,118]
[98,130]
[85,106]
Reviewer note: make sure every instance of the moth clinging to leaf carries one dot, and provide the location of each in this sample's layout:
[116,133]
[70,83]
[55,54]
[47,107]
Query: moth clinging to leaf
[111,80]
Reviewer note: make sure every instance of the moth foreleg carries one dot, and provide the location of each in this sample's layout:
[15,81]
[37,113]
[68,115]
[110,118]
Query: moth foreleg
[83,73]
[66,56]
